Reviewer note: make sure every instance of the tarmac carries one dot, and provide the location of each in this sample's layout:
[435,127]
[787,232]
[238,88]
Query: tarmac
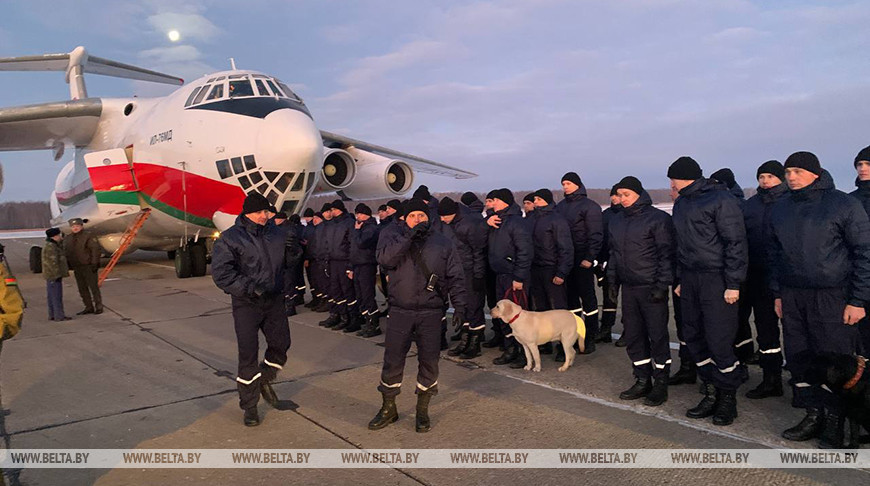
[157,370]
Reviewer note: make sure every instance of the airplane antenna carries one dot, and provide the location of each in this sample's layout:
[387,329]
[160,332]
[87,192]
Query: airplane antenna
[232,64]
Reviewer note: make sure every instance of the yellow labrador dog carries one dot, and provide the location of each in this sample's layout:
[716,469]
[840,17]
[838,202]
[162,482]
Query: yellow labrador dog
[534,328]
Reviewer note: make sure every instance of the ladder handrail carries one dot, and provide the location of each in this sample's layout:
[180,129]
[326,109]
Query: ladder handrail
[126,240]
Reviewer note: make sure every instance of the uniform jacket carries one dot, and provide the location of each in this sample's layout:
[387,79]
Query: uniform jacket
[710,232]
[606,216]
[756,216]
[642,247]
[338,237]
[552,239]
[587,228]
[54,265]
[469,234]
[821,239]
[364,242]
[249,259]
[510,247]
[81,249]
[862,193]
[408,280]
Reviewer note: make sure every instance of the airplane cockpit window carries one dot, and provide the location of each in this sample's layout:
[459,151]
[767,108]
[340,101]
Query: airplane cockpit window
[192,96]
[262,88]
[241,88]
[201,94]
[216,93]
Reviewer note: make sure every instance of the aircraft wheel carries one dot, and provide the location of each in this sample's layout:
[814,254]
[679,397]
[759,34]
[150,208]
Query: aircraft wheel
[183,263]
[199,265]
[36,259]
[170,254]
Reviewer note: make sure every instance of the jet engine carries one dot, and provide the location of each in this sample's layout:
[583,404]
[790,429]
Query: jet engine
[378,176]
[338,172]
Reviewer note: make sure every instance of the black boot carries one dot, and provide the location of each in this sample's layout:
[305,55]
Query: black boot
[640,389]
[546,348]
[458,335]
[686,375]
[464,339]
[312,303]
[510,354]
[726,407]
[706,406]
[604,335]
[423,424]
[299,299]
[374,327]
[473,348]
[520,362]
[252,418]
[620,343]
[330,321]
[770,386]
[659,393]
[354,324]
[832,432]
[344,321]
[366,326]
[323,306]
[269,394]
[809,427]
[386,415]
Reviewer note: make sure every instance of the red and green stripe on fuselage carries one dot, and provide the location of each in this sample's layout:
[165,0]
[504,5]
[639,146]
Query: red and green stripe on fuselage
[161,188]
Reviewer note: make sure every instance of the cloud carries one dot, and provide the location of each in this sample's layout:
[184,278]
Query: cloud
[737,34]
[191,26]
[173,54]
[409,55]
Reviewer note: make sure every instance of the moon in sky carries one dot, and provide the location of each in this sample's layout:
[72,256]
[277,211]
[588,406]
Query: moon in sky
[173,35]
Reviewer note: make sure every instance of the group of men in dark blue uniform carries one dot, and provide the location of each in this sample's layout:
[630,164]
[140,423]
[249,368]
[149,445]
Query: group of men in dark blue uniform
[797,251]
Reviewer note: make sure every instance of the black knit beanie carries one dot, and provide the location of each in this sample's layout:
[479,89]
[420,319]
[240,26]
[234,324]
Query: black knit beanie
[362,209]
[546,195]
[572,177]
[804,160]
[725,176]
[685,168]
[864,155]
[447,206]
[772,167]
[631,183]
[255,202]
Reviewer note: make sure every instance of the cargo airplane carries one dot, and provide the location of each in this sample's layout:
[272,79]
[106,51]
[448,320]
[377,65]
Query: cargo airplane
[191,157]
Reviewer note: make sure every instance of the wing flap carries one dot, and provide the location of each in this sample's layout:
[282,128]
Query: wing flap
[418,163]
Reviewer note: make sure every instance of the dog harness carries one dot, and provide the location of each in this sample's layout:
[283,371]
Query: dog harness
[515,318]
[862,363]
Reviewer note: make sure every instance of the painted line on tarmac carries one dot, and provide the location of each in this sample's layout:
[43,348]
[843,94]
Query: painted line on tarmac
[167,267]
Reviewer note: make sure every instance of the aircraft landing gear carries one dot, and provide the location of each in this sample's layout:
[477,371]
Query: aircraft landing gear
[191,260]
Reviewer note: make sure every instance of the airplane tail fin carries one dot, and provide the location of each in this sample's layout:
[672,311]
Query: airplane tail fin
[78,62]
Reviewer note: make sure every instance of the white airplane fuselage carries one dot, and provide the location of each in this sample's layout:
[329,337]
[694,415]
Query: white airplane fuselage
[193,166]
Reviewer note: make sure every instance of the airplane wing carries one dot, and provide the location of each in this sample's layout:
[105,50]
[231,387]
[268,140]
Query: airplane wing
[419,164]
[49,125]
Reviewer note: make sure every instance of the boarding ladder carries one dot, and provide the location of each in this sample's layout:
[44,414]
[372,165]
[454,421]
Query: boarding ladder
[126,240]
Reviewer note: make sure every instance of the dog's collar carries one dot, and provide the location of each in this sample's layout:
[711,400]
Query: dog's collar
[520,312]
[862,363]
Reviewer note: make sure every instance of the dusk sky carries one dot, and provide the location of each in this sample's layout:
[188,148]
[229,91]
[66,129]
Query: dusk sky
[517,91]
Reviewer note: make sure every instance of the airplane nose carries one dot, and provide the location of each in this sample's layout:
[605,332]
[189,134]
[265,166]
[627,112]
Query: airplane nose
[289,153]
[289,141]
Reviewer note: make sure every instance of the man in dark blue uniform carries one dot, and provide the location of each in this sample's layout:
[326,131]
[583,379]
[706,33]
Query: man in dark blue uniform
[468,233]
[364,241]
[862,193]
[510,254]
[608,310]
[641,260]
[321,256]
[339,269]
[425,270]
[712,260]
[307,259]
[756,297]
[248,262]
[820,275]
[587,234]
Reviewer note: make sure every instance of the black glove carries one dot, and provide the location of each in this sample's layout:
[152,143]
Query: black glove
[612,292]
[417,232]
[658,295]
[457,319]
[478,284]
[600,273]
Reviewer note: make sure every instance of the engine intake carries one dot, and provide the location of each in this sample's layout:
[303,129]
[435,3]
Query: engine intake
[339,170]
[378,176]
